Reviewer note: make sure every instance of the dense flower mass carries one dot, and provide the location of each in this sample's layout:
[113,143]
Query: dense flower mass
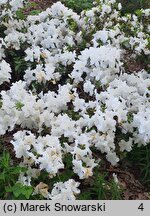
[74,94]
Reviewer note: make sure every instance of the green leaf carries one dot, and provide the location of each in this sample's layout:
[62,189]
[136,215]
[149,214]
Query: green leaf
[5,160]
[31,4]
[35,12]
[138,12]
[16,170]
[130,117]
[27,191]
[20,15]
[2,177]
[18,190]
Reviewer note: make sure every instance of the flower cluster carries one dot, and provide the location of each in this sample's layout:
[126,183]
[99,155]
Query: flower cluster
[75,94]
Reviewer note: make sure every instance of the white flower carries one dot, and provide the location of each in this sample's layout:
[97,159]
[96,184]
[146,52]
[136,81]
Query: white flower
[16,4]
[83,172]
[126,145]
[88,87]
[49,70]
[51,158]
[102,35]
[119,6]
[5,72]
[112,158]
[21,148]
[106,9]
[99,63]
[3,2]
[65,191]
[141,120]
[113,1]
[115,178]
[25,180]
[90,13]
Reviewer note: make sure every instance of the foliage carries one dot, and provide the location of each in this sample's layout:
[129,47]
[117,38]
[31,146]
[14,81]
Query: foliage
[8,176]
[20,191]
[140,159]
[129,6]
[101,187]
[78,5]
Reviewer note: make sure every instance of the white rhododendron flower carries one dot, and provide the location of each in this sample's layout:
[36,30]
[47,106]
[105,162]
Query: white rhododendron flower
[97,63]
[65,191]
[75,88]
[15,4]
[5,72]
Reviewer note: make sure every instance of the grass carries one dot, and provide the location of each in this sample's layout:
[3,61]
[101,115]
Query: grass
[139,158]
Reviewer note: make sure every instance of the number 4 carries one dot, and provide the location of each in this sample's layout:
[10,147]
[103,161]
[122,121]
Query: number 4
[141,207]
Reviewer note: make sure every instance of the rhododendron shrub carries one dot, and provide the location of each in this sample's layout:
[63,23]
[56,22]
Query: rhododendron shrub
[75,96]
